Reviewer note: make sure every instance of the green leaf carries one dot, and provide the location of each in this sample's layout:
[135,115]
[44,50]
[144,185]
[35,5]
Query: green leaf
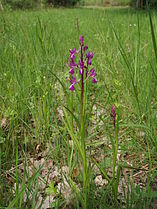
[52,188]
[76,119]
[69,128]
[102,171]
[153,35]
[117,180]
[96,143]
[2,140]
[78,193]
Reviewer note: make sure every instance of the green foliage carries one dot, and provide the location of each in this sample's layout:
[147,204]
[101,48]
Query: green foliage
[21,4]
[27,4]
[144,4]
[152,3]
[52,188]
[63,2]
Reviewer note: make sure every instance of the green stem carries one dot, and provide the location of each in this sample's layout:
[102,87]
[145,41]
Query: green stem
[115,152]
[0,179]
[83,146]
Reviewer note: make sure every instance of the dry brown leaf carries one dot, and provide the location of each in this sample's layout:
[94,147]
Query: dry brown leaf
[99,181]
[60,112]
[49,164]
[71,143]
[75,172]
[38,148]
[4,123]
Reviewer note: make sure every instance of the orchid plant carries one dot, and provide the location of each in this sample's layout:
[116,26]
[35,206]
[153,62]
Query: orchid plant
[80,62]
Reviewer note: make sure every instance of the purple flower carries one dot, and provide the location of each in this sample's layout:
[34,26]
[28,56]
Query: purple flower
[81,67]
[89,62]
[94,80]
[81,71]
[71,88]
[85,48]
[72,51]
[71,71]
[72,64]
[73,81]
[92,73]
[89,57]
[72,57]
[81,64]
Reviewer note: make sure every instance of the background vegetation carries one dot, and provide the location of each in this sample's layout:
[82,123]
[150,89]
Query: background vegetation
[23,4]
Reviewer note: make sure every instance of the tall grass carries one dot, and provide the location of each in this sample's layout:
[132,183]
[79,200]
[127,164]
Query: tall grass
[34,48]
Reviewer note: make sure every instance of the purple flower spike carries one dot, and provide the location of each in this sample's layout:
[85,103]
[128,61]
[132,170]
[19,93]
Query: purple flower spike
[80,70]
[71,88]
[71,71]
[113,111]
[113,114]
[81,40]
[94,80]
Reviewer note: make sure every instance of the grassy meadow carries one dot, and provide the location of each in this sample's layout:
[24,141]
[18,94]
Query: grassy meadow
[39,162]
